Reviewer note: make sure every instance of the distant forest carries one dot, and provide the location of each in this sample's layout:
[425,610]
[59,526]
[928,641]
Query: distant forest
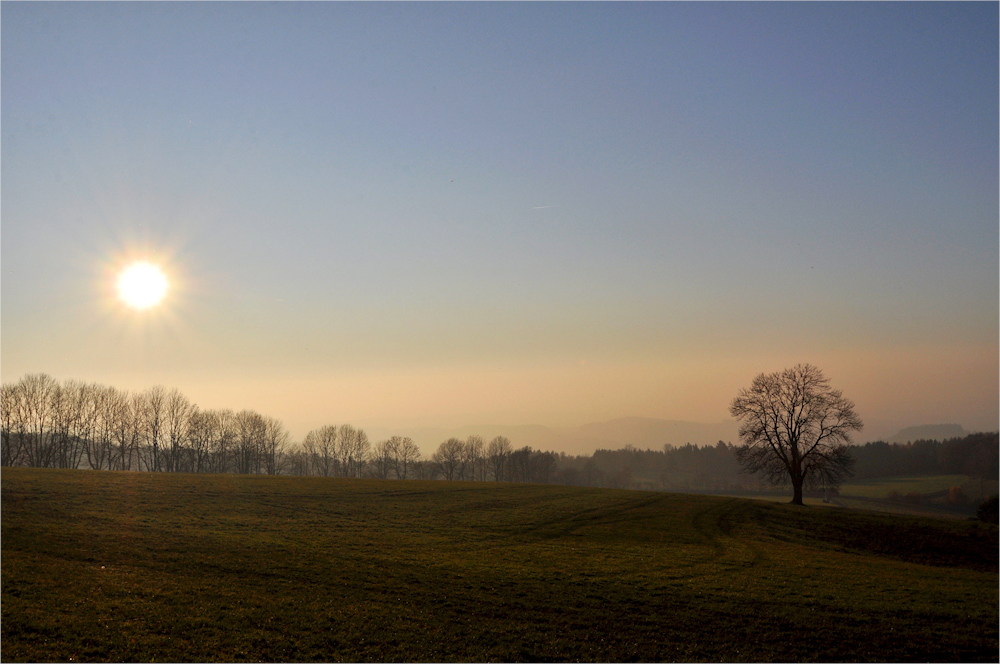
[715,468]
[79,425]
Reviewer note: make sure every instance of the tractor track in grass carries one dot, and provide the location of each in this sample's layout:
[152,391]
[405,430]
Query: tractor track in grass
[725,526]
[578,519]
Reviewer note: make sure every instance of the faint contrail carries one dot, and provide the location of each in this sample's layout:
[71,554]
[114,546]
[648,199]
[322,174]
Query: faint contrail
[542,207]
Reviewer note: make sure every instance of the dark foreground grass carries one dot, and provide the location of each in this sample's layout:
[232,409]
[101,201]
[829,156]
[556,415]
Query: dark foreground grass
[127,566]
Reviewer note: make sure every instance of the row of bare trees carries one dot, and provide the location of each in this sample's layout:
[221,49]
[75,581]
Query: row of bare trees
[497,461]
[344,451]
[333,451]
[85,425]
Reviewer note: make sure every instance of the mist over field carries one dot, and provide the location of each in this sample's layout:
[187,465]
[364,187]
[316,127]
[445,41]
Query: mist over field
[636,431]
[640,432]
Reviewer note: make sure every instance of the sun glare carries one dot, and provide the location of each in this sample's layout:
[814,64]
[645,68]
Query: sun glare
[142,285]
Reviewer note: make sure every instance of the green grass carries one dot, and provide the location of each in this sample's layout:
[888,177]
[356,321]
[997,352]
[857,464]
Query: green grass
[873,495]
[144,567]
[922,484]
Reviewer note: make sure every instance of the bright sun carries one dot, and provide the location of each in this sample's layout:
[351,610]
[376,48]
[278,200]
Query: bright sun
[142,285]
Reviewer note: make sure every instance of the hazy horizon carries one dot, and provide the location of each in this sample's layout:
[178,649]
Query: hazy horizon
[643,433]
[443,216]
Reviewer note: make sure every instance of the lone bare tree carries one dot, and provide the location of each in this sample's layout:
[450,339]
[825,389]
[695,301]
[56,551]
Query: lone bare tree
[794,428]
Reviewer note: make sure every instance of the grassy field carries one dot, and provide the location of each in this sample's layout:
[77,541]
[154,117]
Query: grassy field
[128,566]
[922,484]
[874,495]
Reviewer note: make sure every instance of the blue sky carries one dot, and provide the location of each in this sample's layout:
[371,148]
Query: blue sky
[597,210]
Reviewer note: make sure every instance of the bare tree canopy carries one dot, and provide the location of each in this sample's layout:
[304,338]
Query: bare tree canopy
[407,454]
[794,428]
[383,454]
[498,452]
[449,456]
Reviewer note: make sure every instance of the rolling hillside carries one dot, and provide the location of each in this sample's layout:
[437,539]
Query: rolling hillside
[129,566]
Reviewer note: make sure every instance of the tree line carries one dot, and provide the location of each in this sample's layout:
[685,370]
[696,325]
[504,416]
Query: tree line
[682,468]
[84,425]
[717,468]
[975,455]
[48,424]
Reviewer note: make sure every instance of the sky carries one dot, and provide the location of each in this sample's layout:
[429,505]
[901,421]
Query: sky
[440,215]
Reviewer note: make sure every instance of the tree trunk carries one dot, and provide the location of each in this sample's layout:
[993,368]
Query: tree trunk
[796,491]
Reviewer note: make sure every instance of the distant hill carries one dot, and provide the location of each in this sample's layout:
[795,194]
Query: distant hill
[929,432]
[641,432]
[644,432]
